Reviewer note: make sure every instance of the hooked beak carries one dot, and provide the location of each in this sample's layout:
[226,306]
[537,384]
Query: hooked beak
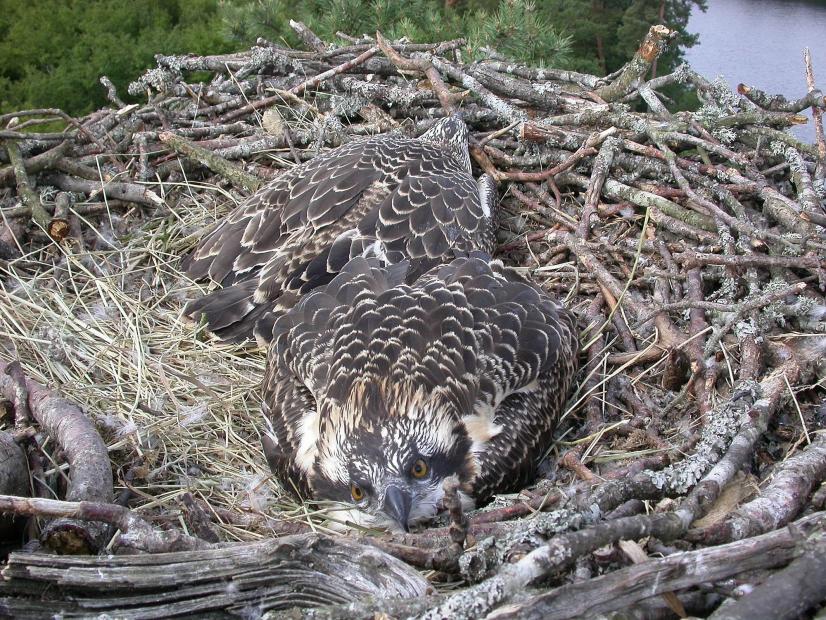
[397,506]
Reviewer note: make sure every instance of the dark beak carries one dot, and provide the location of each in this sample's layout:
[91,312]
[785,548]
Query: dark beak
[397,506]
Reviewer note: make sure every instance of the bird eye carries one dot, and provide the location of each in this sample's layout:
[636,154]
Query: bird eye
[356,492]
[419,469]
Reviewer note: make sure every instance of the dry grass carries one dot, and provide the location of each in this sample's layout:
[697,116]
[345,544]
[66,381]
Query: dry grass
[178,409]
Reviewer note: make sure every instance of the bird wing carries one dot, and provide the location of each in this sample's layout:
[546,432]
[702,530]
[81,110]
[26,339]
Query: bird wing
[521,331]
[307,197]
[527,349]
[435,208]
[389,197]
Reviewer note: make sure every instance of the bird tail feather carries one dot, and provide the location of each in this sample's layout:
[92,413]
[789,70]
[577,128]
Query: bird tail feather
[232,315]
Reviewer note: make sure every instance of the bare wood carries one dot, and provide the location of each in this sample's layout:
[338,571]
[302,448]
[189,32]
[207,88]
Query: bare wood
[652,46]
[779,502]
[307,36]
[28,196]
[596,320]
[35,164]
[130,192]
[421,65]
[345,66]
[777,103]
[90,471]
[435,48]
[786,594]
[503,109]
[620,191]
[9,135]
[749,306]
[599,172]
[585,150]
[58,228]
[697,326]
[233,173]
[14,477]
[302,570]
[111,92]
[18,393]
[807,261]
[135,533]
[279,97]
[91,208]
[622,588]
[669,335]
[817,112]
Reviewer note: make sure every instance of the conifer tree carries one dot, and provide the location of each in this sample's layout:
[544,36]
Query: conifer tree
[53,52]
[596,36]
[606,33]
[516,28]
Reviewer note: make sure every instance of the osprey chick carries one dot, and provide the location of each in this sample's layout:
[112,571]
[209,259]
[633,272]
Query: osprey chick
[389,196]
[377,388]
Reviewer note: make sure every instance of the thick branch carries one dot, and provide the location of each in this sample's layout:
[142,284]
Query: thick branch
[235,174]
[779,502]
[787,594]
[271,575]
[652,46]
[28,196]
[89,470]
[621,589]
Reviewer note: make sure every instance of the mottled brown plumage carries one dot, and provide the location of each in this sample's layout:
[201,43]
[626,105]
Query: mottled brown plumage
[465,369]
[396,360]
[389,196]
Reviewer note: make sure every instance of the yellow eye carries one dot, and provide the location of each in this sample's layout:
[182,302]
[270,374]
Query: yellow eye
[419,469]
[356,492]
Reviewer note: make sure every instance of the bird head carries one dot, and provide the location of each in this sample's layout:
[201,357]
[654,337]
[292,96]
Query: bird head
[451,133]
[386,460]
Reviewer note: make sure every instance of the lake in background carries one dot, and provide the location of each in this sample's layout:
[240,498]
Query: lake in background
[760,43]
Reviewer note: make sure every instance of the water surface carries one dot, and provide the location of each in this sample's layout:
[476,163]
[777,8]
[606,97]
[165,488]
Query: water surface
[760,43]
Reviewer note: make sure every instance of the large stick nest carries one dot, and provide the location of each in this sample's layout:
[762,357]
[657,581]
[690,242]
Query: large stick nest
[690,246]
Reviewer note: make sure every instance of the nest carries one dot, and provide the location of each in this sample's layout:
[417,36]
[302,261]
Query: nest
[690,246]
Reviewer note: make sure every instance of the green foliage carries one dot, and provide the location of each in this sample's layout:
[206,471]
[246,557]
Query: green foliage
[595,36]
[519,31]
[53,52]
[606,33]
[242,21]
[515,28]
